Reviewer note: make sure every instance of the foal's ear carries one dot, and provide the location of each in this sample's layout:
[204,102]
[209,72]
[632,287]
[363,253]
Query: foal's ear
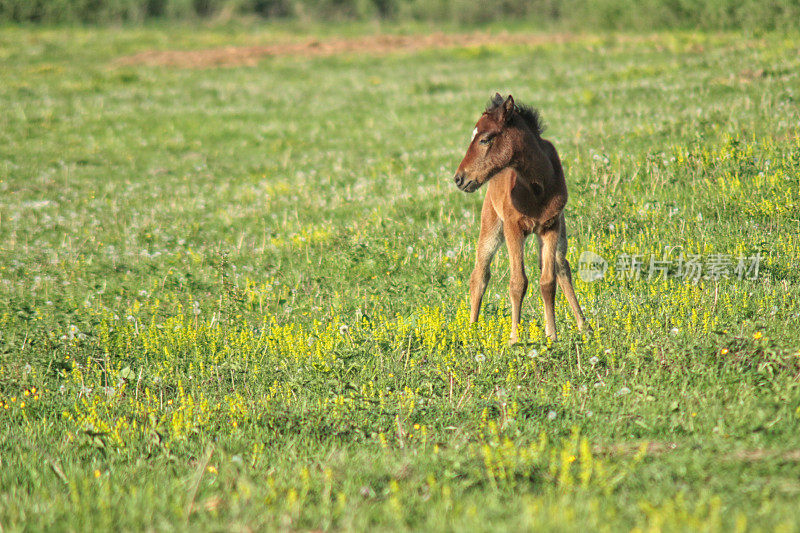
[507,108]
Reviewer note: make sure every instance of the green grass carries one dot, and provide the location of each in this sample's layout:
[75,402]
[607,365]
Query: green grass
[235,298]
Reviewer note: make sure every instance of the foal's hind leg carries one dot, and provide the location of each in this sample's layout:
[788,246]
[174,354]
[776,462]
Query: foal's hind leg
[490,239]
[518,286]
[564,275]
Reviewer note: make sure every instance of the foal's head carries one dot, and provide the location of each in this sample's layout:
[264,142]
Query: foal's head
[495,140]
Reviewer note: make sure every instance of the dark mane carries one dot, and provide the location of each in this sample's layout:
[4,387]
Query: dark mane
[528,114]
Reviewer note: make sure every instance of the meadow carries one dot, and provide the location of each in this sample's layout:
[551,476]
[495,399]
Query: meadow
[234,296]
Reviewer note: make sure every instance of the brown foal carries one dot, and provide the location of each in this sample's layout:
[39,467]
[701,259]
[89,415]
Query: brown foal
[526,194]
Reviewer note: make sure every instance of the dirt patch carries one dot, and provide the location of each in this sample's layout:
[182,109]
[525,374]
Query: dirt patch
[757,455]
[372,45]
[633,448]
[656,448]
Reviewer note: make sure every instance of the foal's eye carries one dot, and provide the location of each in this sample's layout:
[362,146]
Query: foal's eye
[487,140]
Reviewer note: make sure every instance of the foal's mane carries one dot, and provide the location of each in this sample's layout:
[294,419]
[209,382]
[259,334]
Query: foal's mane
[528,114]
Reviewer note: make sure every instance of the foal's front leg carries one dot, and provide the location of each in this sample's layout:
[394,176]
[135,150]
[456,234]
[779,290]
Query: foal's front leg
[515,241]
[548,241]
[490,239]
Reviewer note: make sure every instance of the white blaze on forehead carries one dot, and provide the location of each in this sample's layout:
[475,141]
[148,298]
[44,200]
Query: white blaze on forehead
[474,133]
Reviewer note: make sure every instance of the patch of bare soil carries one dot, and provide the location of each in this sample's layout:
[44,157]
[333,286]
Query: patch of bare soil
[373,45]
[756,455]
[632,448]
[656,448]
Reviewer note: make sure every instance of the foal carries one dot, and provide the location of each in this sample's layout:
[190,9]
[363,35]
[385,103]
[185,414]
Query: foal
[526,194]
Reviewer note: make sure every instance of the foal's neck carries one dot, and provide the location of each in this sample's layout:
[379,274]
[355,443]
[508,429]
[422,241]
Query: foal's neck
[529,161]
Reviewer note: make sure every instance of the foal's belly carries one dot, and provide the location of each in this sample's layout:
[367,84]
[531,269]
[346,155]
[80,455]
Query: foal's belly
[528,225]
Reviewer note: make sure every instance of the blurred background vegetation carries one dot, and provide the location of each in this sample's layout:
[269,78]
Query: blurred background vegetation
[569,14]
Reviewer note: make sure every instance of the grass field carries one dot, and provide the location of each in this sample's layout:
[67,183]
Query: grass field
[236,297]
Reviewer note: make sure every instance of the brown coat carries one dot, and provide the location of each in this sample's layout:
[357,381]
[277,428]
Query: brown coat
[526,194]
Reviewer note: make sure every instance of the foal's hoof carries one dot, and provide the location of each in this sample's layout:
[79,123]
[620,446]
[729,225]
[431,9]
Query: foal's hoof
[513,340]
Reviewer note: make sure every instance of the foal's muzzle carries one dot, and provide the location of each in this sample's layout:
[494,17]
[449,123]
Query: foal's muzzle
[467,186]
